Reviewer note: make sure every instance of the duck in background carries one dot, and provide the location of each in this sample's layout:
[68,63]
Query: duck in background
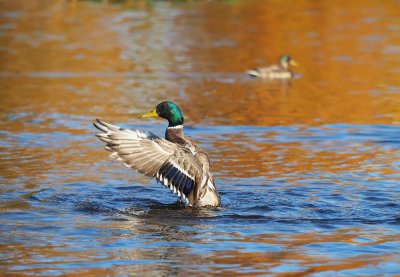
[280,71]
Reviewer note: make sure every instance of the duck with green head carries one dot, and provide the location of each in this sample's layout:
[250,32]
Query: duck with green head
[176,161]
[280,71]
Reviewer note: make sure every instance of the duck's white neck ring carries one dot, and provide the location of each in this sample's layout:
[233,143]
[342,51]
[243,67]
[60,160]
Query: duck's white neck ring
[176,127]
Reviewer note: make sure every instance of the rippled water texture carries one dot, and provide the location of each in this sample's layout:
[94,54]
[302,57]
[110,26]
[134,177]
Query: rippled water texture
[308,169]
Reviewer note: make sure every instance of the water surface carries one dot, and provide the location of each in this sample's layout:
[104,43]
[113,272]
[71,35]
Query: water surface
[308,169]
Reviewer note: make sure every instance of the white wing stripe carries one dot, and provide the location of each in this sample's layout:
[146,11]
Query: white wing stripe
[182,170]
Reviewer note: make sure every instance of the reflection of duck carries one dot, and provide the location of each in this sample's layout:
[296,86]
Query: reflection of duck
[176,161]
[280,71]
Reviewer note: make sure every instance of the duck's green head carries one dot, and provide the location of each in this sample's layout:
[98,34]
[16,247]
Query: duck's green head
[286,60]
[168,110]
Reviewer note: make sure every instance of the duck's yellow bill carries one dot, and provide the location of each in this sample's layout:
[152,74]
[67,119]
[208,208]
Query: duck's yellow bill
[153,113]
[294,63]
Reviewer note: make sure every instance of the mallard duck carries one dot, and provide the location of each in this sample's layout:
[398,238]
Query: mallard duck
[177,161]
[280,71]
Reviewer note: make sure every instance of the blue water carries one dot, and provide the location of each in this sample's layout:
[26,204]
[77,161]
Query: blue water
[288,222]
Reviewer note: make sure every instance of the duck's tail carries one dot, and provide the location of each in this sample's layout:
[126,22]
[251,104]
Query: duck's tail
[253,72]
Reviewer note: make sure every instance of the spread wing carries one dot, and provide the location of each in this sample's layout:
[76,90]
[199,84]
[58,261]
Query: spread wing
[152,156]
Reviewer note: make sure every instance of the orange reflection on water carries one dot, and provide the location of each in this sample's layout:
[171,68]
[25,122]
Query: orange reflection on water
[347,65]
[242,157]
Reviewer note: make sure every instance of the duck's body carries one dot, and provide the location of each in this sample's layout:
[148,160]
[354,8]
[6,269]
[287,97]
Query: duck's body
[271,72]
[280,71]
[176,161]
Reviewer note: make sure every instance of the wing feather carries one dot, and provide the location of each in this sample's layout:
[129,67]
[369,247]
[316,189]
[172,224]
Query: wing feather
[152,156]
